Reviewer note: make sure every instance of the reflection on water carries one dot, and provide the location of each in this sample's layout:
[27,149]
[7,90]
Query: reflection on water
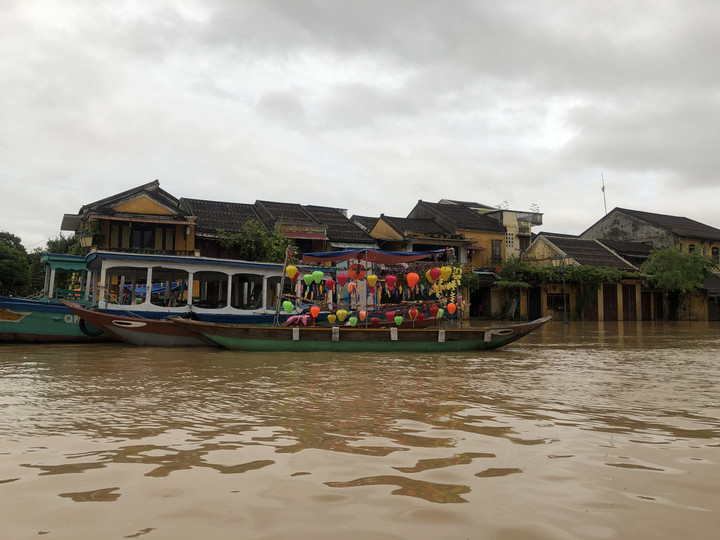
[587,431]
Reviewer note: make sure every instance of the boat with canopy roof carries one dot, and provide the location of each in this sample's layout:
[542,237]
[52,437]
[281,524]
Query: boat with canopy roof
[362,333]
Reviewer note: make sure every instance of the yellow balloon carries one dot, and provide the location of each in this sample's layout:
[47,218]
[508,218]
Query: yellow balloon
[331,318]
[372,280]
[445,273]
[291,271]
[341,314]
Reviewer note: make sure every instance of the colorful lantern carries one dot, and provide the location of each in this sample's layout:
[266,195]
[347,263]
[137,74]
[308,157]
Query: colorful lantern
[314,312]
[421,317]
[330,284]
[353,321]
[413,313]
[390,281]
[434,274]
[288,306]
[352,287]
[451,307]
[308,279]
[440,313]
[342,279]
[331,318]
[445,273]
[375,321]
[372,280]
[317,276]
[398,320]
[291,271]
[412,278]
[341,314]
[356,271]
[362,314]
[433,311]
[389,315]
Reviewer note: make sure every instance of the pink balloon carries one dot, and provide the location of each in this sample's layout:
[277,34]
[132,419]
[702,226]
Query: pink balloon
[390,315]
[342,279]
[390,281]
[435,273]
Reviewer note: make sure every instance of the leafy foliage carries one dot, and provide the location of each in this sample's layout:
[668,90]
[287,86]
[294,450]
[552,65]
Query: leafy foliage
[671,270]
[14,266]
[255,243]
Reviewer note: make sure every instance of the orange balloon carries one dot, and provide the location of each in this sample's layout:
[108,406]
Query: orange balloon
[451,308]
[314,311]
[412,278]
[362,314]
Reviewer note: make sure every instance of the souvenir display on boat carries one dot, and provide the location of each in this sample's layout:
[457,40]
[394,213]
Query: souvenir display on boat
[358,327]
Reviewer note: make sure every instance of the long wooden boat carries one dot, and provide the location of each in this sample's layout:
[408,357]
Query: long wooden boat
[139,331]
[346,339]
[45,319]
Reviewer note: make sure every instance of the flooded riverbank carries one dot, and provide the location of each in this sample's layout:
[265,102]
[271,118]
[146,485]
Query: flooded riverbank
[594,430]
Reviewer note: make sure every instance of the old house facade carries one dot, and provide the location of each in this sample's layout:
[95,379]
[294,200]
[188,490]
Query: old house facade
[617,301]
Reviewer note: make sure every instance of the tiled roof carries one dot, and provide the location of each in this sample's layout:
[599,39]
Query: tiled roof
[423,226]
[589,252]
[214,215]
[681,226]
[465,218]
[339,227]
[634,252]
[285,212]
[365,222]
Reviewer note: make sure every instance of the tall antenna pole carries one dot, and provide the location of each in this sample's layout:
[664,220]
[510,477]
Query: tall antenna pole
[603,190]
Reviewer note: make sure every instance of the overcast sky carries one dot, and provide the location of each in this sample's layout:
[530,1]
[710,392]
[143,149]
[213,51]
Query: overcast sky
[364,105]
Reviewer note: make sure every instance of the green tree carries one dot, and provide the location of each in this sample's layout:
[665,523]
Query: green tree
[14,266]
[255,243]
[677,273]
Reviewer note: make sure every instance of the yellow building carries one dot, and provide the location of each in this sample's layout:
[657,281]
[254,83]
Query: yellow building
[145,219]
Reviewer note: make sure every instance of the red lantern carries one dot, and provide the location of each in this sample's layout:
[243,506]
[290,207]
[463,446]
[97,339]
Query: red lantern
[434,273]
[412,278]
[413,313]
[390,315]
[421,317]
[314,311]
[330,284]
[434,310]
[375,321]
[342,279]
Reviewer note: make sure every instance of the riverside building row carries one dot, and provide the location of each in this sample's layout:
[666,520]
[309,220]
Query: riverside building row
[148,219]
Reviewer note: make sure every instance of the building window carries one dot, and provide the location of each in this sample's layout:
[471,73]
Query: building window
[509,241]
[142,237]
[716,253]
[496,252]
[691,248]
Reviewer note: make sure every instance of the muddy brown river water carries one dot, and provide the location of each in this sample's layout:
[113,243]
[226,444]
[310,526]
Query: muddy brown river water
[591,431]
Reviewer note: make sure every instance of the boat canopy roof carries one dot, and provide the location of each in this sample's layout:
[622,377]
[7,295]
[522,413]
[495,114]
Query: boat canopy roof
[66,263]
[371,255]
